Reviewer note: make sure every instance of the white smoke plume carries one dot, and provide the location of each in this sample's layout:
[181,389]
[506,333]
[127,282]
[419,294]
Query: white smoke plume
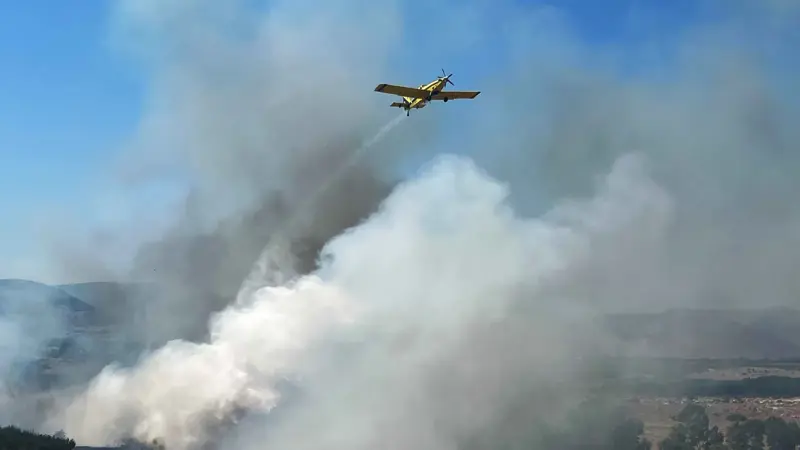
[444,255]
[174,392]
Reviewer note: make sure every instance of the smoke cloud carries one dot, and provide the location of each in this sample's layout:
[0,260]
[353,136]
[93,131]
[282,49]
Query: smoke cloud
[712,113]
[444,257]
[253,113]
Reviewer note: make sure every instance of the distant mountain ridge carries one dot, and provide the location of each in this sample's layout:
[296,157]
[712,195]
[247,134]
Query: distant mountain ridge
[768,333]
[765,333]
[36,305]
[65,332]
[759,333]
[17,291]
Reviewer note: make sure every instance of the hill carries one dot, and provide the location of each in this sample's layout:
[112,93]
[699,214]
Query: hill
[25,294]
[767,333]
[115,303]
[770,333]
[38,312]
[48,331]
[106,294]
[103,317]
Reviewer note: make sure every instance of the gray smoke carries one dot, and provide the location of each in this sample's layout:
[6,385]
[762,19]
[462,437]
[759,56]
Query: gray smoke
[259,118]
[239,130]
[410,287]
[716,124]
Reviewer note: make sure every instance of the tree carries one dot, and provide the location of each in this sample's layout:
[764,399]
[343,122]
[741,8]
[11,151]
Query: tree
[15,438]
[781,435]
[746,435]
[692,431]
[628,435]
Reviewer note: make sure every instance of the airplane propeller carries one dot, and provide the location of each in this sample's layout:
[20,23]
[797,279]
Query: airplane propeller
[446,78]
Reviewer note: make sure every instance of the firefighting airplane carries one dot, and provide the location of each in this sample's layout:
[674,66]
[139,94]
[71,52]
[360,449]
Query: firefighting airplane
[416,98]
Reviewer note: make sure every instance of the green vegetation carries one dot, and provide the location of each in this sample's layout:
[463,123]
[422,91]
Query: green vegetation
[597,429]
[12,438]
[692,432]
[674,369]
[595,425]
[600,423]
[766,386]
[604,425]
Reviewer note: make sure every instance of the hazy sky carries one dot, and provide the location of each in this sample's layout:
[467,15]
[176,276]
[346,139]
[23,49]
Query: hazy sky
[70,100]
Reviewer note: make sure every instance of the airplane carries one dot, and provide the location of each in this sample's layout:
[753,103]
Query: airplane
[416,98]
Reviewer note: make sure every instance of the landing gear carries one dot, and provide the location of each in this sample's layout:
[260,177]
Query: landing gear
[445,99]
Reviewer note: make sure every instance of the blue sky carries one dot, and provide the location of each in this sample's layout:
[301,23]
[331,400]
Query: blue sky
[68,102]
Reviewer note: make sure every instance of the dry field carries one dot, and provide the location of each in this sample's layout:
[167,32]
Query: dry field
[740,373]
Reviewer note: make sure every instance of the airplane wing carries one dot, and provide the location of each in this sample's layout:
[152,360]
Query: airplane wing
[403,91]
[452,95]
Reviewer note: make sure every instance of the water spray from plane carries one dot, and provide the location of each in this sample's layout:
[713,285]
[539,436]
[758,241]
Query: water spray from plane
[274,264]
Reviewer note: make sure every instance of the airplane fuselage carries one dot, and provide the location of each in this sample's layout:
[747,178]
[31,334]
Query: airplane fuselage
[434,87]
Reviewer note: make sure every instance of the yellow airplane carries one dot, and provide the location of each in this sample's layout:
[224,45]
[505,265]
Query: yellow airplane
[416,98]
